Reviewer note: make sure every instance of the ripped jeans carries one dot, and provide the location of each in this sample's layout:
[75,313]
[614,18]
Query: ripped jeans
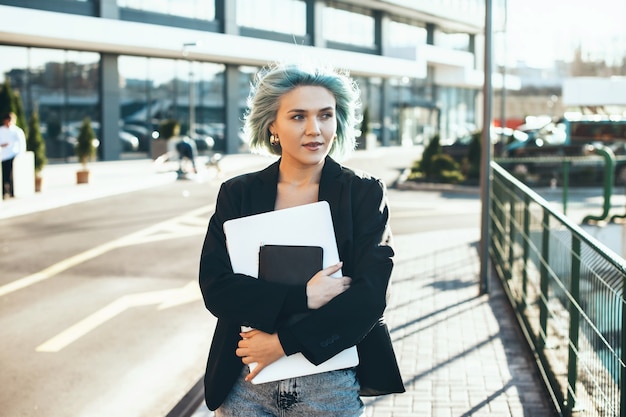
[334,393]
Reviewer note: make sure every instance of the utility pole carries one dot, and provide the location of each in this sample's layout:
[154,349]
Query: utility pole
[485,169]
[192,109]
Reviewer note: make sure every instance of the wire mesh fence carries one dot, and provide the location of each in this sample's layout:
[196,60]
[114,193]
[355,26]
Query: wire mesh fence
[568,291]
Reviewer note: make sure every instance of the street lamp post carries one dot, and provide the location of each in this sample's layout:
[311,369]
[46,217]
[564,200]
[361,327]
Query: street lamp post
[192,106]
[485,168]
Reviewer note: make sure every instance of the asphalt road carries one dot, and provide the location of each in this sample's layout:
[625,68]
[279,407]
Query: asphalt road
[100,312]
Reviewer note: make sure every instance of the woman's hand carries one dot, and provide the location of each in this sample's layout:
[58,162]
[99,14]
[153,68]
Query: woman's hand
[322,287]
[260,347]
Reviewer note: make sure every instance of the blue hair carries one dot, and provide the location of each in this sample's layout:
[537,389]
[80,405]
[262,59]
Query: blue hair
[271,83]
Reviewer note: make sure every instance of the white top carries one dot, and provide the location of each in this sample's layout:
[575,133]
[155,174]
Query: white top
[12,142]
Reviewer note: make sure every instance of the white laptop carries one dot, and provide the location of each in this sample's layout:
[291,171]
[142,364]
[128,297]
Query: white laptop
[310,225]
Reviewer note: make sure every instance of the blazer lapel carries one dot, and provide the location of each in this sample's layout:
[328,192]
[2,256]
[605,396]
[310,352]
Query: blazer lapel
[331,188]
[264,189]
[263,192]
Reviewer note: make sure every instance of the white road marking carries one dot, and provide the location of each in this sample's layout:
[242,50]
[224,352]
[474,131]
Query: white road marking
[166,298]
[188,224]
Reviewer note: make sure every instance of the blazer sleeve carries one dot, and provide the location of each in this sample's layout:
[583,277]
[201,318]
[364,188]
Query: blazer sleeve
[365,246]
[238,298]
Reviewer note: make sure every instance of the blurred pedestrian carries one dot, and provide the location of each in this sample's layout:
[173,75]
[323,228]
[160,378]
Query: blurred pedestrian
[185,148]
[12,143]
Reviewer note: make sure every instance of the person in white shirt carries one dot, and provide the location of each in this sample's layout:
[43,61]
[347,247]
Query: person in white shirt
[12,143]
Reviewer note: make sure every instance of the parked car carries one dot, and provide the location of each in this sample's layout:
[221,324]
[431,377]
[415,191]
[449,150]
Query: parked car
[142,133]
[203,139]
[550,134]
[130,143]
[499,137]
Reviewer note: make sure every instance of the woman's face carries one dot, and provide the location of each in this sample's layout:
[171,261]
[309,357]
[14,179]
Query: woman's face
[305,125]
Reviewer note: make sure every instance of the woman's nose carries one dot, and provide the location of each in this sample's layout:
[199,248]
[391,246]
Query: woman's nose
[312,127]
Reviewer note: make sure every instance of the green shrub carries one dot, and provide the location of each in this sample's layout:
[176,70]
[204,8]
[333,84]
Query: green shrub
[85,147]
[474,153]
[446,169]
[35,143]
[433,148]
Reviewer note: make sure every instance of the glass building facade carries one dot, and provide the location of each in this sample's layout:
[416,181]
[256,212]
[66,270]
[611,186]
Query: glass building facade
[146,61]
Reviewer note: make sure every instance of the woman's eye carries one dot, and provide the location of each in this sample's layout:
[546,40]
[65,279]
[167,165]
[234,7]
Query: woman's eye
[327,115]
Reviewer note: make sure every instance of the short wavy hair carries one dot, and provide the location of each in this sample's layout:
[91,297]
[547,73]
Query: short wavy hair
[272,82]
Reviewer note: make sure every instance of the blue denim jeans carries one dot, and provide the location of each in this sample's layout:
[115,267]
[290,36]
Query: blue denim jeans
[334,393]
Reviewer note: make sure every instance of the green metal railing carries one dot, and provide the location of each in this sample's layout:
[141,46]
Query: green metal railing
[568,293]
[594,155]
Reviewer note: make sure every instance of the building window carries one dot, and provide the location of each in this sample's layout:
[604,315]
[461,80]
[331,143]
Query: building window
[406,35]
[152,90]
[283,16]
[62,86]
[454,41]
[348,27]
[458,113]
[194,9]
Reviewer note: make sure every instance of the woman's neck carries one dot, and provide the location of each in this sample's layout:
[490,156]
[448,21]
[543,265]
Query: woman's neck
[297,185]
[297,176]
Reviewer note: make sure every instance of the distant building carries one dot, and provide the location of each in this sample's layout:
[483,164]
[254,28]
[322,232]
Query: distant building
[130,64]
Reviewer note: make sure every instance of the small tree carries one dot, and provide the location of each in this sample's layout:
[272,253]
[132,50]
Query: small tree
[7,98]
[36,144]
[365,129]
[85,148]
[433,148]
[11,101]
[474,155]
[19,112]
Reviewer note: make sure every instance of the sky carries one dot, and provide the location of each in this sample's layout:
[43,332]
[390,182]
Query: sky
[542,31]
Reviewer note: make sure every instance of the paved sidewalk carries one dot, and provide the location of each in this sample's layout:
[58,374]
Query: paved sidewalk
[461,353]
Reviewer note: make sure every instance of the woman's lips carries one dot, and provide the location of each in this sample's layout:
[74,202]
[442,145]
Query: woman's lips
[313,146]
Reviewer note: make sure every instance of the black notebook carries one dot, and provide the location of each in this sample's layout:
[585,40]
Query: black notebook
[289,264]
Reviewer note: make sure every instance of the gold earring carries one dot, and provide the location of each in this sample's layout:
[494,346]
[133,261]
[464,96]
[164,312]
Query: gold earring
[274,140]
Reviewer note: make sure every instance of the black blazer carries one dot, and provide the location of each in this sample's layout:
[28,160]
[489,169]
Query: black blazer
[360,216]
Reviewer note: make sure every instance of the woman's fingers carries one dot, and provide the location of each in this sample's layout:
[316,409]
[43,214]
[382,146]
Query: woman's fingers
[332,269]
[254,372]
[322,288]
[260,348]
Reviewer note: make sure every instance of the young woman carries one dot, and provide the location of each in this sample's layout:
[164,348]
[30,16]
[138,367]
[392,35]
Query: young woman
[307,117]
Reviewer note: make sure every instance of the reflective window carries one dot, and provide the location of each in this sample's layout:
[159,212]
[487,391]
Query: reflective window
[196,9]
[455,41]
[16,71]
[135,96]
[208,103]
[371,100]
[403,35]
[152,90]
[62,86]
[457,113]
[348,27]
[284,16]
[412,117]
